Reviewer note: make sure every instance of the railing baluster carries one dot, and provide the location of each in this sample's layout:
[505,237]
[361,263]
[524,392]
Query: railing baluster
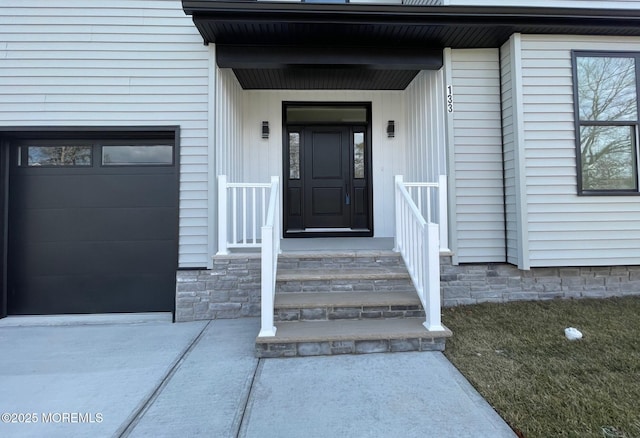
[428,201]
[244,215]
[235,215]
[254,225]
[242,197]
[264,206]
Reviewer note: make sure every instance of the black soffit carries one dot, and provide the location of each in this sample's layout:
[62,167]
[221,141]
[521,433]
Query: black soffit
[292,45]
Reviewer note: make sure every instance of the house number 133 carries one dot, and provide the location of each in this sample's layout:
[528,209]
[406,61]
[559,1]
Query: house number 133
[449,99]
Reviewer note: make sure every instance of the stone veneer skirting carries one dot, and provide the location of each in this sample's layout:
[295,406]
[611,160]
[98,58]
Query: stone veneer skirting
[501,282]
[232,288]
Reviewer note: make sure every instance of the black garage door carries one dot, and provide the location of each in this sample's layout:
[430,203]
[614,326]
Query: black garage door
[93,225]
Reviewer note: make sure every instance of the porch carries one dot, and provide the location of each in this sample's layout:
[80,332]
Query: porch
[347,295]
[336,137]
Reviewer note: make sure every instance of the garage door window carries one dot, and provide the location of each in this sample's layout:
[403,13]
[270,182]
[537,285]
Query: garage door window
[140,155]
[59,155]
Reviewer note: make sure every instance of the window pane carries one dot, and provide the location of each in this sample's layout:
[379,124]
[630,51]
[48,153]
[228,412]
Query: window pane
[294,155]
[326,114]
[137,155]
[608,158]
[358,154]
[606,88]
[59,155]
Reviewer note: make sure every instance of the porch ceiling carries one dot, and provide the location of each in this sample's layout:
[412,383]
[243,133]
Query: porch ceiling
[243,28]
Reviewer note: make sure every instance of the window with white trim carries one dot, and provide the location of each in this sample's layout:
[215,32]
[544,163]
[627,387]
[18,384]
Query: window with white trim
[606,101]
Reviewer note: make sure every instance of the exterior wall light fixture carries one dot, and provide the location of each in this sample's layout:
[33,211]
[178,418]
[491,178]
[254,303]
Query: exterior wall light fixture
[391,129]
[265,129]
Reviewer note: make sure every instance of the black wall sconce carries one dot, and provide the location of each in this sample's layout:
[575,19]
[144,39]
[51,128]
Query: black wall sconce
[265,129]
[391,129]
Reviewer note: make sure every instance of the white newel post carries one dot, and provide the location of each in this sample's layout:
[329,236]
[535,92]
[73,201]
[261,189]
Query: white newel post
[397,180]
[222,215]
[269,264]
[266,326]
[433,322]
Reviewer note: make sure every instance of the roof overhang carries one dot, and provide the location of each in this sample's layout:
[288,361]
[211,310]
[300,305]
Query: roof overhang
[371,46]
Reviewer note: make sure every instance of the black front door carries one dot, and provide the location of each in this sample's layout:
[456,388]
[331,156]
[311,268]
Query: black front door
[328,188]
[326,177]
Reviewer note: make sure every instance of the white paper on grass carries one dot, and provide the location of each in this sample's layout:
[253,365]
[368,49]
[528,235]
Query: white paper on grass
[572,333]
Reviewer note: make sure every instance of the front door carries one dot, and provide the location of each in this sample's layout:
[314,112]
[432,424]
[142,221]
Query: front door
[328,184]
[326,177]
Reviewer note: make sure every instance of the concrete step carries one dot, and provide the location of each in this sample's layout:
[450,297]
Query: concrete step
[338,259]
[343,280]
[319,338]
[348,273]
[346,305]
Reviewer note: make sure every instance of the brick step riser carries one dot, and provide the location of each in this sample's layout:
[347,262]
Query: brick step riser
[340,262]
[361,285]
[330,348]
[329,313]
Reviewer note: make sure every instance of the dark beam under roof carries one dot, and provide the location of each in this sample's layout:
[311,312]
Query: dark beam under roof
[282,56]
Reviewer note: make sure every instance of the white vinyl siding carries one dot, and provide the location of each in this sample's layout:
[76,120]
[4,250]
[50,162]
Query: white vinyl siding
[565,229]
[590,4]
[477,157]
[113,63]
[515,198]
[509,144]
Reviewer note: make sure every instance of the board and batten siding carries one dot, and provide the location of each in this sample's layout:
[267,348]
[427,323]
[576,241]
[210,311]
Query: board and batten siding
[228,125]
[113,63]
[565,229]
[388,153]
[423,2]
[426,133]
[426,136]
[476,160]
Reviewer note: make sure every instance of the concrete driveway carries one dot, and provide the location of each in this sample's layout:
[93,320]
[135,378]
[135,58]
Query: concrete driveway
[142,376]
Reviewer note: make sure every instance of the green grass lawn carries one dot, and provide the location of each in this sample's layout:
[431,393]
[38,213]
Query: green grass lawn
[543,385]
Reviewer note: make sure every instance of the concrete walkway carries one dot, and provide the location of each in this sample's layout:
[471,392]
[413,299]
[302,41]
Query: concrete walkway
[142,376]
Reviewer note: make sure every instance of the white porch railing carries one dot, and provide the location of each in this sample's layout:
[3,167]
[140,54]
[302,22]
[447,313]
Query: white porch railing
[428,196]
[417,241]
[270,251]
[242,210]
[254,224]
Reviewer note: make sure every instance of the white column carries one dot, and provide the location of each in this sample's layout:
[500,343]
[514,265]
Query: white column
[396,242]
[442,212]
